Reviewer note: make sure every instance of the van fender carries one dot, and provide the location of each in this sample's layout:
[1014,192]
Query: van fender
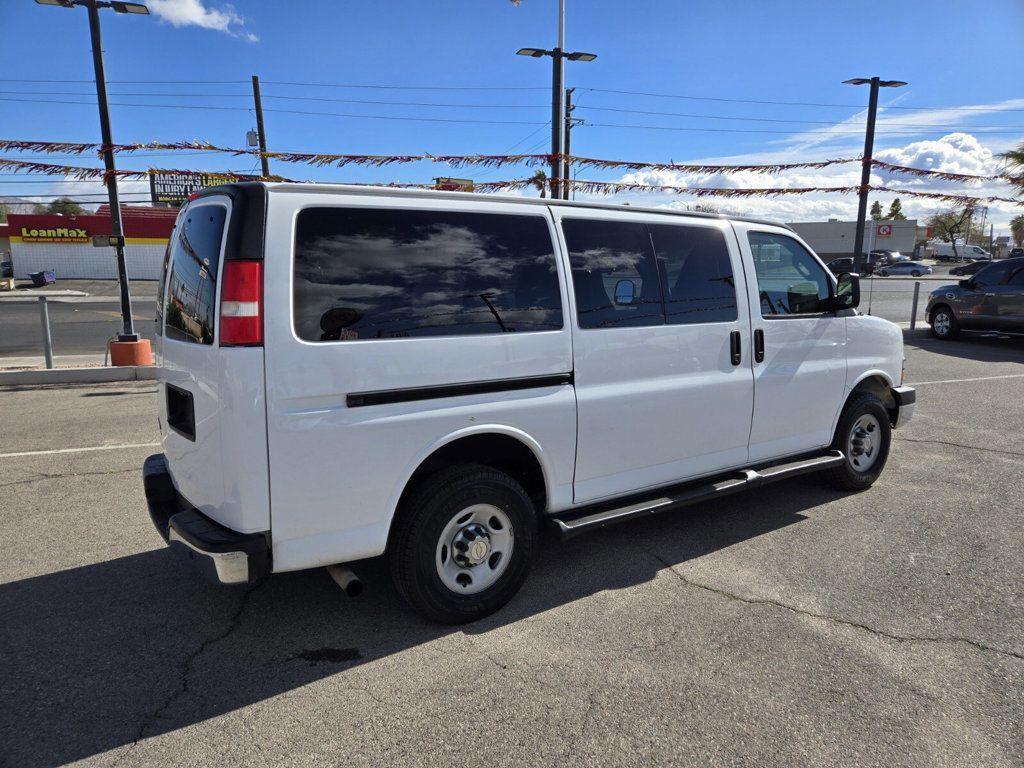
[477,429]
[864,376]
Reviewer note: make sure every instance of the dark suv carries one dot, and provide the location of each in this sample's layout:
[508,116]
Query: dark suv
[991,300]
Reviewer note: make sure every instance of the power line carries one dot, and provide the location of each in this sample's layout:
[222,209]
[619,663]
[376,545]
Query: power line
[780,120]
[474,121]
[298,98]
[783,103]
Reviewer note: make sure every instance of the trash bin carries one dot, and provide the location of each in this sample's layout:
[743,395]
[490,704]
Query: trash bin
[41,279]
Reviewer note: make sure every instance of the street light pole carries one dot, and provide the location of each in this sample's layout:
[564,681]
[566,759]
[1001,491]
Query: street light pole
[557,103]
[128,331]
[558,56]
[865,173]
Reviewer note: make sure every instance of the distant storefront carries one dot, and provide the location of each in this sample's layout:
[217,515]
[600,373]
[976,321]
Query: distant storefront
[833,239]
[64,244]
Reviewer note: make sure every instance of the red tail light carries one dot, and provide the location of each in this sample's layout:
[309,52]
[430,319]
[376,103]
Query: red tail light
[241,304]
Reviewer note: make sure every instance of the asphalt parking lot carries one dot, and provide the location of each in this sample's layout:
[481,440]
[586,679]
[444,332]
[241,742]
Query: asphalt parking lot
[796,626]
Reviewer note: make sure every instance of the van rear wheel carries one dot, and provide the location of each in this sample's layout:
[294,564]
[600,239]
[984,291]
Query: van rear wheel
[863,435]
[463,543]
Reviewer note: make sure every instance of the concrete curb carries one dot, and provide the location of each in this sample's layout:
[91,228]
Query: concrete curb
[78,375]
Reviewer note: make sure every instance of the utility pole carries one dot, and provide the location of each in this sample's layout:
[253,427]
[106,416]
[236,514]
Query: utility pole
[128,328]
[567,143]
[264,162]
[865,173]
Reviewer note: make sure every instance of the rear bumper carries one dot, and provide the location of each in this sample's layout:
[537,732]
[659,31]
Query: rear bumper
[219,553]
[905,399]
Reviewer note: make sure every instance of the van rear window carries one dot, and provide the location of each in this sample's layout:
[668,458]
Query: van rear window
[380,273]
[192,286]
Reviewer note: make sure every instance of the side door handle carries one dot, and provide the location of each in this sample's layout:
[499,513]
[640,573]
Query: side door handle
[759,346]
[735,349]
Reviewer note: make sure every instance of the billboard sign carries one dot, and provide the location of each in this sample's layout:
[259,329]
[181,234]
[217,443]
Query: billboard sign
[173,189]
[55,235]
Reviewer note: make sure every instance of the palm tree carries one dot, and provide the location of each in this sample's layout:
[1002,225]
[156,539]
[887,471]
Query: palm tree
[540,181]
[1015,160]
[1017,229]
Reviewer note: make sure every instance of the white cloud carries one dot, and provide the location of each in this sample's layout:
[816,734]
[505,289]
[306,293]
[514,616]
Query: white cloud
[958,152]
[184,13]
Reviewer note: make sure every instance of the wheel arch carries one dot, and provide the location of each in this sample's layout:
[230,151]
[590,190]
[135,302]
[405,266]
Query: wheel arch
[878,383]
[495,445]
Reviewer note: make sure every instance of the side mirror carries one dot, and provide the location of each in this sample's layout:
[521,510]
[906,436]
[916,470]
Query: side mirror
[625,292]
[847,291]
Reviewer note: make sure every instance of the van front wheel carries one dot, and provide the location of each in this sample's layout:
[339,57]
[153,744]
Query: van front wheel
[462,543]
[863,435]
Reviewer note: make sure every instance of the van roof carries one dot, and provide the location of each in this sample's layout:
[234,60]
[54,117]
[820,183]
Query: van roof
[434,194]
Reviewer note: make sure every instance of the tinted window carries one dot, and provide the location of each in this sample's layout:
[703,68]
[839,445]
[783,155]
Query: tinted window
[364,273]
[789,279]
[1017,276]
[163,281]
[614,273]
[192,287]
[696,274]
[992,274]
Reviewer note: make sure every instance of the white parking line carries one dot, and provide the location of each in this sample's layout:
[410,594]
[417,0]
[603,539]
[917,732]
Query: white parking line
[78,450]
[961,381]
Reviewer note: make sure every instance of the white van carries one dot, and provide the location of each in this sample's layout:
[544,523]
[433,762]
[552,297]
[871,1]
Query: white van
[944,252]
[350,371]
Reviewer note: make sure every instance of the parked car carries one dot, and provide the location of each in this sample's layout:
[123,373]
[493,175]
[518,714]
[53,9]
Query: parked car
[945,252]
[1016,253]
[846,264]
[990,300]
[431,375]
[889,257]
[969,268]
[913,268]
[839,266]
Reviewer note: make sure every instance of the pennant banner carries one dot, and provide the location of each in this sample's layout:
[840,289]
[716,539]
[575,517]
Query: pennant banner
[324,159]
[968,177]
[582,186]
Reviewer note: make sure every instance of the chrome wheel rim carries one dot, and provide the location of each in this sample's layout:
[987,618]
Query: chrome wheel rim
[941,323]
[864,443]
[474,549]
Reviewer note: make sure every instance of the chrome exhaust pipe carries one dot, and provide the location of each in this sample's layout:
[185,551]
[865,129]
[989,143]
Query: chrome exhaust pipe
[344,578]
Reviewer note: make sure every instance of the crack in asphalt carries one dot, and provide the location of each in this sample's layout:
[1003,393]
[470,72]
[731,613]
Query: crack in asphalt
[959,445]
[43,476]
[954,639]
[185,672]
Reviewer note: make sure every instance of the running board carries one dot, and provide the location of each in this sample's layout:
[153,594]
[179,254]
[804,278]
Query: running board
[695,493]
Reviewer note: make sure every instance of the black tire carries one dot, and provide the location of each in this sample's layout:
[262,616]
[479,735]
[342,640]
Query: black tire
[944,330]
[883,273]
[847,476]
[421,521]
[915,273]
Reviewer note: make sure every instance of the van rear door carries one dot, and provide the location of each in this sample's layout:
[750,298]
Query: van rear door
[212,412]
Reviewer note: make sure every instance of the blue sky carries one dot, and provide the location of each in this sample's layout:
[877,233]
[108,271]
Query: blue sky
[953,54]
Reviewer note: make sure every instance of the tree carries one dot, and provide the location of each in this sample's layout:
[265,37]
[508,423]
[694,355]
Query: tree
[64,206]
[876,211]
[896,210]
[951,224]
[540,181]
[4,210]
[1015,162]
[1017,229]
[705,208]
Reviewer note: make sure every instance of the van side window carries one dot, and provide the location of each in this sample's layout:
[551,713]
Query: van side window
[614,273]
[192,287]
[696,274]
[380,273]
[789,279]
